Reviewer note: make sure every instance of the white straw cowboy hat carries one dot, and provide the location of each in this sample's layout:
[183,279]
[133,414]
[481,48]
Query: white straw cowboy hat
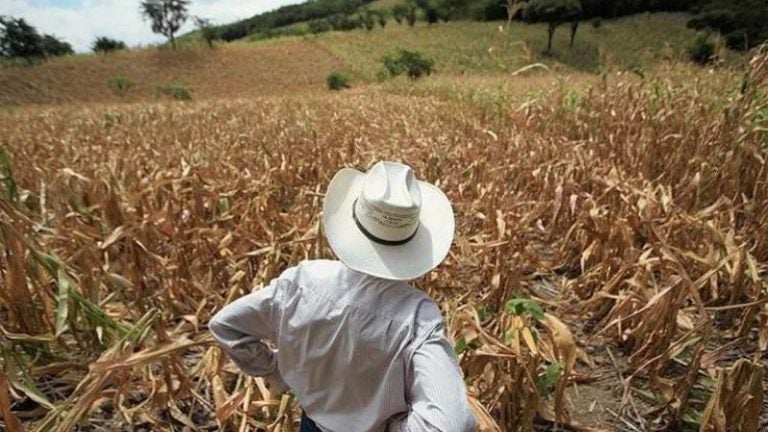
[386,223]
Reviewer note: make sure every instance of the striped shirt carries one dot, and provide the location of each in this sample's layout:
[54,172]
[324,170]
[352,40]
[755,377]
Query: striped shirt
[361,354]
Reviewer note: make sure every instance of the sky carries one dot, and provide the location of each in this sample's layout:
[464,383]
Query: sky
[79,22]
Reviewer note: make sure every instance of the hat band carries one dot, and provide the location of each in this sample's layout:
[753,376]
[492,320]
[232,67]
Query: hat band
[378,240]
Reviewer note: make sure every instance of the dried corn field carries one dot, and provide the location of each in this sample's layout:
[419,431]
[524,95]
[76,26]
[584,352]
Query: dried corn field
[633,213]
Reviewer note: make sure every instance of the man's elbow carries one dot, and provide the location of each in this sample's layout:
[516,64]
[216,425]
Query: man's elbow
[461,421]
[468,421]
[218,329]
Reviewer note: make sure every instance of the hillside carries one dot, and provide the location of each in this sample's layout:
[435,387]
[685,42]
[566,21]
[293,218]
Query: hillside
[482,47]
[299,65]
[238,70]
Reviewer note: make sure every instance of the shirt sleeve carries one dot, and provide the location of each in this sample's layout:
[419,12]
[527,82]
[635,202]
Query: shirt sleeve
[241,327]
[435,390]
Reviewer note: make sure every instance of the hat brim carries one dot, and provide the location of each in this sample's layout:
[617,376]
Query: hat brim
[425,251]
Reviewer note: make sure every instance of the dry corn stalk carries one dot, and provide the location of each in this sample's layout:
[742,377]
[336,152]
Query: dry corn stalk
[737,403]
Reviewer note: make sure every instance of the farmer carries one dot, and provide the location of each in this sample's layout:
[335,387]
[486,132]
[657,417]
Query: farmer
[361,350]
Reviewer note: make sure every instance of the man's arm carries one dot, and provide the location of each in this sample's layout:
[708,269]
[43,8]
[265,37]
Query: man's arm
[240,327]
[435,391]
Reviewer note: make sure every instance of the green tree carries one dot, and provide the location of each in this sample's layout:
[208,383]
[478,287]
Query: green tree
[208,31]
[743,23]
[166,16]
[554,13]
[412,63]
[18,39]
[400,12]
[431,11]
[453,9]
[55,47]
[413,12]
[367,19]
[574,29]
[103,44]
[381,16]
[319,26]
[702,51]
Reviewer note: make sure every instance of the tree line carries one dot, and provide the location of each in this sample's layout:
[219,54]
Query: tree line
[21,40]
[742,23]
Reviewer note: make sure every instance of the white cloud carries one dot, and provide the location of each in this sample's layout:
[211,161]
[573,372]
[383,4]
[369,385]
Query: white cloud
[80,21]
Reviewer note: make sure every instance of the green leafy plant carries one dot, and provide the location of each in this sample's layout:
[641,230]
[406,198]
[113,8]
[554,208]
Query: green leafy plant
[174,91]
[519,306]
[412,63]
[103,44]
[338,81]
[702,51]
[462,345]
[120,84]
[547,380]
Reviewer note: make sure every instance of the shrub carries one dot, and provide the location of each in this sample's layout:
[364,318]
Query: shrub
[412,63]
[319,26]
[233,32]
[343,23]
[400,12]
[737,40]
[702,51]
[367,19]
[338,81]
[106,45]
[381,16]
[208,32]
[431,13]
[174,91]
[743,23]
[55,47]
[120,84]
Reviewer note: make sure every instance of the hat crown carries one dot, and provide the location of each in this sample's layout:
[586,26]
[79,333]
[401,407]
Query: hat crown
[392,187]
[389,203]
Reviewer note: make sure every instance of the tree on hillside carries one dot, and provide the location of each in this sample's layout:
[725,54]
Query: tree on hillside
[55,47]
[574,29]
[18,39]
[400,12]
[367,19]
[453,9]
[382,18]
[743,23]
[431,11]
[166,16]
[103,44]
[208,31]
[554,13]
[413,12]
[319,26]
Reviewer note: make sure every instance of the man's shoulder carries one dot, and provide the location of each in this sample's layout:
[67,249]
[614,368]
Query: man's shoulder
[396,299]
[313,269]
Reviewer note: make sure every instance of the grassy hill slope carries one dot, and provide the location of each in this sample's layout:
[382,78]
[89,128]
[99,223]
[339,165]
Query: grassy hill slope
[300,64]
[481,47]
[236,70]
